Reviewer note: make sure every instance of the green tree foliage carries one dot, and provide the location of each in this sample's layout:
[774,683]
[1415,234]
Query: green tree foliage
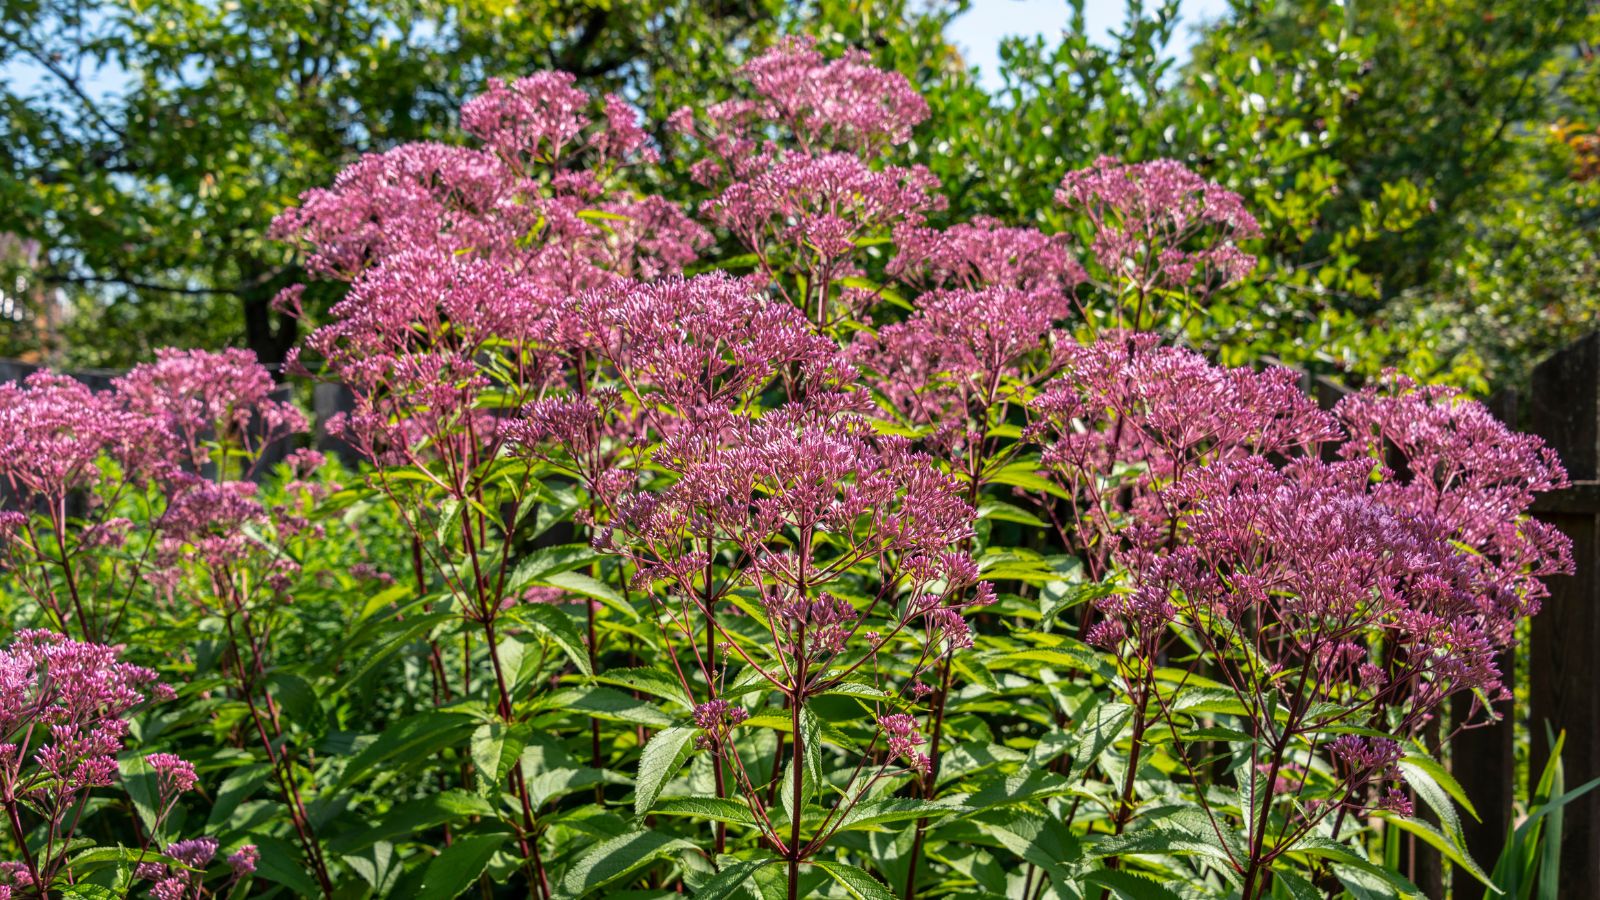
[1417,209]
[152,141]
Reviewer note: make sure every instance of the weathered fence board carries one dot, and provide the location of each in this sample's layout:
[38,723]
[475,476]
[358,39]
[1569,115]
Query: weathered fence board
[1564,651]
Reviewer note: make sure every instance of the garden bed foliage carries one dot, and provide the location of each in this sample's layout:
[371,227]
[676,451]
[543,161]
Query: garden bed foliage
[781,545]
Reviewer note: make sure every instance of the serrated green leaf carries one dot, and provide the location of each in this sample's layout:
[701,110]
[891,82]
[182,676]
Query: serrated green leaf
[496,747]
[661,759]
[648,681]
[1442,777]
[811,747]
[855,689]
[1130,886]
[406,819]
[617,858]
[559,627]
[1097,732]
[609,704]
[858,882]
[731,880]
[458,866]
[547,561]
[873,813]
[1438,841]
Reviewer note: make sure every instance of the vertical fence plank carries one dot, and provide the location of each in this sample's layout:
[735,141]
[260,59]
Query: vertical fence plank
[1564,653]
[1484,758]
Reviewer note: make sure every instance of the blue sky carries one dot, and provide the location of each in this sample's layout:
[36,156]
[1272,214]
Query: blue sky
[981,29]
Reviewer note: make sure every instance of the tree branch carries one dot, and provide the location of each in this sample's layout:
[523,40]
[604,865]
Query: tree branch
[70,82]
[142,285]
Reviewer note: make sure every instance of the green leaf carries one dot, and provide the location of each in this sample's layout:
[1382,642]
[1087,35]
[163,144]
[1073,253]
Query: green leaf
[458,866]
[495,749]
[89,891]
[1130,886]
[554,783]
[731,879]
[1044,841]
[716,809]
[406,819]
[649,681]
[1342,855]
[1001,511]
[237,787]
[1421,778]
[1438,841]
[417,737]
[1020,787]
[97,858]
[811,738]
[858,882]
[585,586]
[1440,776]
[870,815]
[143,787]
[1026,475]
[1296,887]
[600,215]
[1079,658]
[280,863]
[609,704]
[663,756]
[296,697]
[396,636]
[855,689]
[1098,732]
[617,858]
[559,627]
[547,561]
[1162,840]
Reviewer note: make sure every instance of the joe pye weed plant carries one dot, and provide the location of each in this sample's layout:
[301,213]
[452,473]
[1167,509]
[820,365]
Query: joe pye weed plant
[781,539]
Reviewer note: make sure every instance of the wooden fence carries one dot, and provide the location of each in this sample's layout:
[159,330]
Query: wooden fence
[1562,659]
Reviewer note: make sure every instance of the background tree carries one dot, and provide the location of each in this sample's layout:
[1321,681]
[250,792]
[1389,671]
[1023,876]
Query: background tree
[1415,209]
[157,138]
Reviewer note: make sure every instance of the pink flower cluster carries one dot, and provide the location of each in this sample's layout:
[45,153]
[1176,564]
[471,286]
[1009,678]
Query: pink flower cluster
[985,253]
[710,343]
[904,738]
[714,718]
[1156,413]
[1451,461]
[845,102]
[963,354]
[197,400]
[174,434]
[539,199]
[1367,589]
[63,719]
[804,197]
[188,881]
[54,431]
[1158,227]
